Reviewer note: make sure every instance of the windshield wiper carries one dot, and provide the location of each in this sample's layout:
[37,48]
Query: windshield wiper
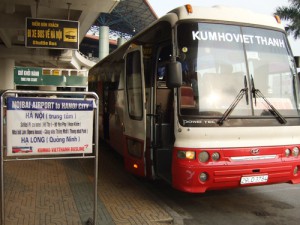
[233,105]
[235,102]
[253,90]
[272,109]
[246,91]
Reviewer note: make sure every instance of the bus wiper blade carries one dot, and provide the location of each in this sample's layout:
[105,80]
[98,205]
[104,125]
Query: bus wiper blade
[253,90]
[246,93]
[272,109]
[233,105]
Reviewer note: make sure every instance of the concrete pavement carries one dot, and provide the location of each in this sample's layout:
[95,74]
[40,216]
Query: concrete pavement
[61,192]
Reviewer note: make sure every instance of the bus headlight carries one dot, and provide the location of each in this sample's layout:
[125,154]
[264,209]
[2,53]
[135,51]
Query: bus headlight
[287,152]
[190,155]
[215,156]
[295,151]
[203,157]
[186,154]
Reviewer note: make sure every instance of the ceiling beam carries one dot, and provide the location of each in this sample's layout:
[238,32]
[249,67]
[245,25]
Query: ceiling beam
[12,21]
[31,54]
[90,14]
[86,19]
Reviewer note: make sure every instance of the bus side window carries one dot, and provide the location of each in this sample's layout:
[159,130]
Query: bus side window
[134,85]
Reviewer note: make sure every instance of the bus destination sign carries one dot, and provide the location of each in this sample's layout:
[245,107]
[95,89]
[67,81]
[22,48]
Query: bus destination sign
[55,34]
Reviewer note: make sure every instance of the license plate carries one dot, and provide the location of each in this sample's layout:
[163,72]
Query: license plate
[254,179]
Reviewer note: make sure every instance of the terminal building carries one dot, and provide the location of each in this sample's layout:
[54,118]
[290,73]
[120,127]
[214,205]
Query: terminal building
[36,56]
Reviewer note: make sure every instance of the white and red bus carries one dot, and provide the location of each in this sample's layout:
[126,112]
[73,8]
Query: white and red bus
[205,98]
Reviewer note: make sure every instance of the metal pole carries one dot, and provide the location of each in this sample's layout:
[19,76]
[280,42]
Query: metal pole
[2,167]
[69,5]
[96,161]
[36,8]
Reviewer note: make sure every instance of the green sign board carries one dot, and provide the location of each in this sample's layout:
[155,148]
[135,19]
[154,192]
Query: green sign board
[55,34]
[33,76]
[28,76]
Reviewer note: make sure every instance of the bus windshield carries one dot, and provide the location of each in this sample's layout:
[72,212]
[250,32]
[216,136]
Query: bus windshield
[219,62]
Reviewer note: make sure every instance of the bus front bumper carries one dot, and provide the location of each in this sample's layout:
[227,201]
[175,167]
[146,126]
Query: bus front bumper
[198,179]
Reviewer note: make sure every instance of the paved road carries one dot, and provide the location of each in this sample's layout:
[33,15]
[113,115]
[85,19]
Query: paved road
[266,205]
[60,192]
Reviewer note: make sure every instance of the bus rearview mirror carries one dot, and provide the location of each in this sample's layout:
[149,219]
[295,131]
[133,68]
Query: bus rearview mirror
[174,74]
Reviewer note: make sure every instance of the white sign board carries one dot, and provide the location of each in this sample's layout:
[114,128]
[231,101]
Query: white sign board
[47,126]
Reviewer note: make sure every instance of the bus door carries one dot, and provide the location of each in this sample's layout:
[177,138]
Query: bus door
[135,113]
[164,133]
[164,110]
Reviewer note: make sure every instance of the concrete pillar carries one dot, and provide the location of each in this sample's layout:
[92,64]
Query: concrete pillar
[103,41]
[121,41]
[7,74]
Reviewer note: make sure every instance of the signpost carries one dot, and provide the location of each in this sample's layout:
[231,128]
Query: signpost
[28,75]
[40,128]
[50,33]
[37,76]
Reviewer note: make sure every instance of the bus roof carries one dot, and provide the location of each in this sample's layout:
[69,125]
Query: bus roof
[220,14]
[227,14]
